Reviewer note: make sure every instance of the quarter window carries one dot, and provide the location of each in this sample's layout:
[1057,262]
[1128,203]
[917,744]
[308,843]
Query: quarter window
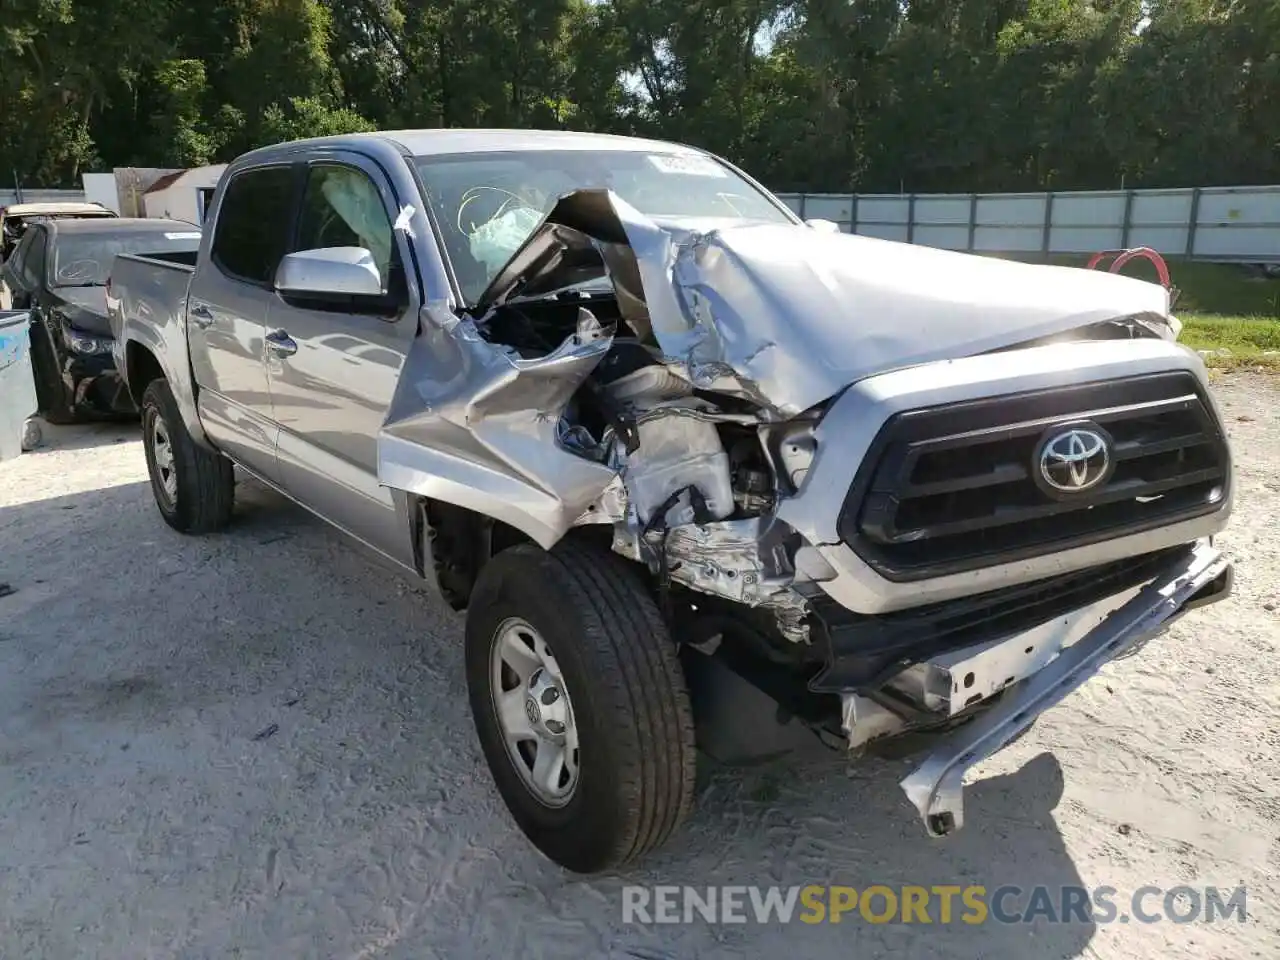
[18,258]
[33,262]
[253,224]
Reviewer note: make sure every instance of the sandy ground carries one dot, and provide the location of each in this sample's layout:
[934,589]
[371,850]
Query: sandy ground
[258,745]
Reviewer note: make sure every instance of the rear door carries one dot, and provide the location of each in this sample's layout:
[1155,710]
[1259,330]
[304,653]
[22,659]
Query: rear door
[333,367]
[228,303]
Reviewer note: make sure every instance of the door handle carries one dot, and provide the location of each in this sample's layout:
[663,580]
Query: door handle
[201,316]
[281,344]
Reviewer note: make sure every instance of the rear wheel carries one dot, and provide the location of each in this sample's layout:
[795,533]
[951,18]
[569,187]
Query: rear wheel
[193,487]
[579,703]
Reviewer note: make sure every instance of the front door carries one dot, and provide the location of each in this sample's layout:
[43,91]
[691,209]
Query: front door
[333,367]
[230,297]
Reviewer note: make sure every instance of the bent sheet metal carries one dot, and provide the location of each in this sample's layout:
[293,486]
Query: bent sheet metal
[781,315]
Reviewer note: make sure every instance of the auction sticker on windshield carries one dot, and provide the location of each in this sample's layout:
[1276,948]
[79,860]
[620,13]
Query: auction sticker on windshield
[690,165]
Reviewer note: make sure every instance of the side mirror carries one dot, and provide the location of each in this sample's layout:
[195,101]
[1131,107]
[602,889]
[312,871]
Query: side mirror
[823,226]
[329,271]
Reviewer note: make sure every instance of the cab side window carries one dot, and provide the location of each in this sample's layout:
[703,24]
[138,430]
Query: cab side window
[253,224]
[32,264]
[341,207]
[13,266]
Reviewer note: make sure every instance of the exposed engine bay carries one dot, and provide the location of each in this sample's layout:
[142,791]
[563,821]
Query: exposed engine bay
[664,383]
[698,472]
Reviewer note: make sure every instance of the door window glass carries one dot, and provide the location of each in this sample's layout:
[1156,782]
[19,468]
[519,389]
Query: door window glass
[253,224]
[15,264]
[342,208]
[33,261]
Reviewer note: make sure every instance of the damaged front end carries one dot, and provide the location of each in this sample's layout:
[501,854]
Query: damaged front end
[579,390]
[666,382]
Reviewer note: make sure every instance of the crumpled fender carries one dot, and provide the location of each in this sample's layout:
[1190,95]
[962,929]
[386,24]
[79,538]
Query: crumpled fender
[473,424]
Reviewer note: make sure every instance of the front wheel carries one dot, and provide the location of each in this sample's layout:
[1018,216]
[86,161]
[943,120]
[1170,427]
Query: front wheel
[579,703]
[194,487]
[52,396]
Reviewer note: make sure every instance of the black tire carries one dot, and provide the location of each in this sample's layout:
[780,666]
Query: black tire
[622,675]
[205,481]
[51,393]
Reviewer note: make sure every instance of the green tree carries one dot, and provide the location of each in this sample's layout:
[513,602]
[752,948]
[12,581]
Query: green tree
[837,95]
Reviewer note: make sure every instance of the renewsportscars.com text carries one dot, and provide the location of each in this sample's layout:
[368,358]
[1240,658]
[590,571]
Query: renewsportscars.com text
[938,904]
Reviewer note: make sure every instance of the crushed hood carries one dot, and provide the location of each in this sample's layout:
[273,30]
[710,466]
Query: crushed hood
[787,315]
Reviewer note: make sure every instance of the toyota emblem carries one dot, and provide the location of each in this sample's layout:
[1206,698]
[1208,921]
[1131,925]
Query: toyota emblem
[1074,460]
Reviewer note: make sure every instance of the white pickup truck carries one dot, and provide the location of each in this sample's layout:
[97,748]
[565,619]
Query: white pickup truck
[681,456]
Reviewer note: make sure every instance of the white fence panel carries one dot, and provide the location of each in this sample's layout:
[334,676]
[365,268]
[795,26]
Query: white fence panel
[1238,242]
[1212,223]
[1215,223]
[945,236]
[10,197]
[1259,206]
[883,210]
[936,209]
[838,208]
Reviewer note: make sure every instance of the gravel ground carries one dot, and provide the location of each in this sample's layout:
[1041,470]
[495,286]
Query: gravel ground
[257,745]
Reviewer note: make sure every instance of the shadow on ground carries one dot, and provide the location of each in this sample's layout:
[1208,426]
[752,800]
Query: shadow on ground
[83,436]
[265,743]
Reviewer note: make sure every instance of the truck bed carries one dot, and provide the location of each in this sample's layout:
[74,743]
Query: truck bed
[151,286]
[184,260]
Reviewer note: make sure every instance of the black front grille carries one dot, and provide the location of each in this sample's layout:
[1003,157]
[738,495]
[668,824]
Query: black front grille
[948,489]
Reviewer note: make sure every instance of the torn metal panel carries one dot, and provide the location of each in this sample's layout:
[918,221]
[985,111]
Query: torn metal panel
[782,315]
[788,316]
[474,424]
[864,720]
[610,507]
[677,452]
[746,561]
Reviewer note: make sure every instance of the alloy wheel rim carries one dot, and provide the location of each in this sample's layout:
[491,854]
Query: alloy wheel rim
[162,455]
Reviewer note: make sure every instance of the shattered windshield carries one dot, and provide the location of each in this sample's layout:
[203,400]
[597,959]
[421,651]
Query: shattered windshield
[487,204]
[84,260]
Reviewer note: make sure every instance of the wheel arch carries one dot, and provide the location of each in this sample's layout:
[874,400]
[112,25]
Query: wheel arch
[453,543]
[141,367]
[145,362]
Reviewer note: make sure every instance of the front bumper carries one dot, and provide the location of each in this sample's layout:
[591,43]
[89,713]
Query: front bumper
[93,382]
[936,787]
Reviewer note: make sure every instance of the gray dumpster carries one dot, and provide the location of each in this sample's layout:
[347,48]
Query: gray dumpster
[18,431]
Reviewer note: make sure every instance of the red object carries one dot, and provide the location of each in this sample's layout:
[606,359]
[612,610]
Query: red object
[1124,256]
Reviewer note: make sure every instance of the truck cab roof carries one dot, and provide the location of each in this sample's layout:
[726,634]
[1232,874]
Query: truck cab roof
[426,142]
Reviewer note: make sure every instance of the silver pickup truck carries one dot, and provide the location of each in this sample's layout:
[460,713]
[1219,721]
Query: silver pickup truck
[700,473]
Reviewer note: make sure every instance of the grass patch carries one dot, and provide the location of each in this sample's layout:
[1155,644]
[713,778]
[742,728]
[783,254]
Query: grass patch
[1225,307]
[1230,311]
[1252,341]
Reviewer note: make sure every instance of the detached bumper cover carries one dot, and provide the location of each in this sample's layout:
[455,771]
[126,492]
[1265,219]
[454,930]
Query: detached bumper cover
[94,381]
[936,787]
